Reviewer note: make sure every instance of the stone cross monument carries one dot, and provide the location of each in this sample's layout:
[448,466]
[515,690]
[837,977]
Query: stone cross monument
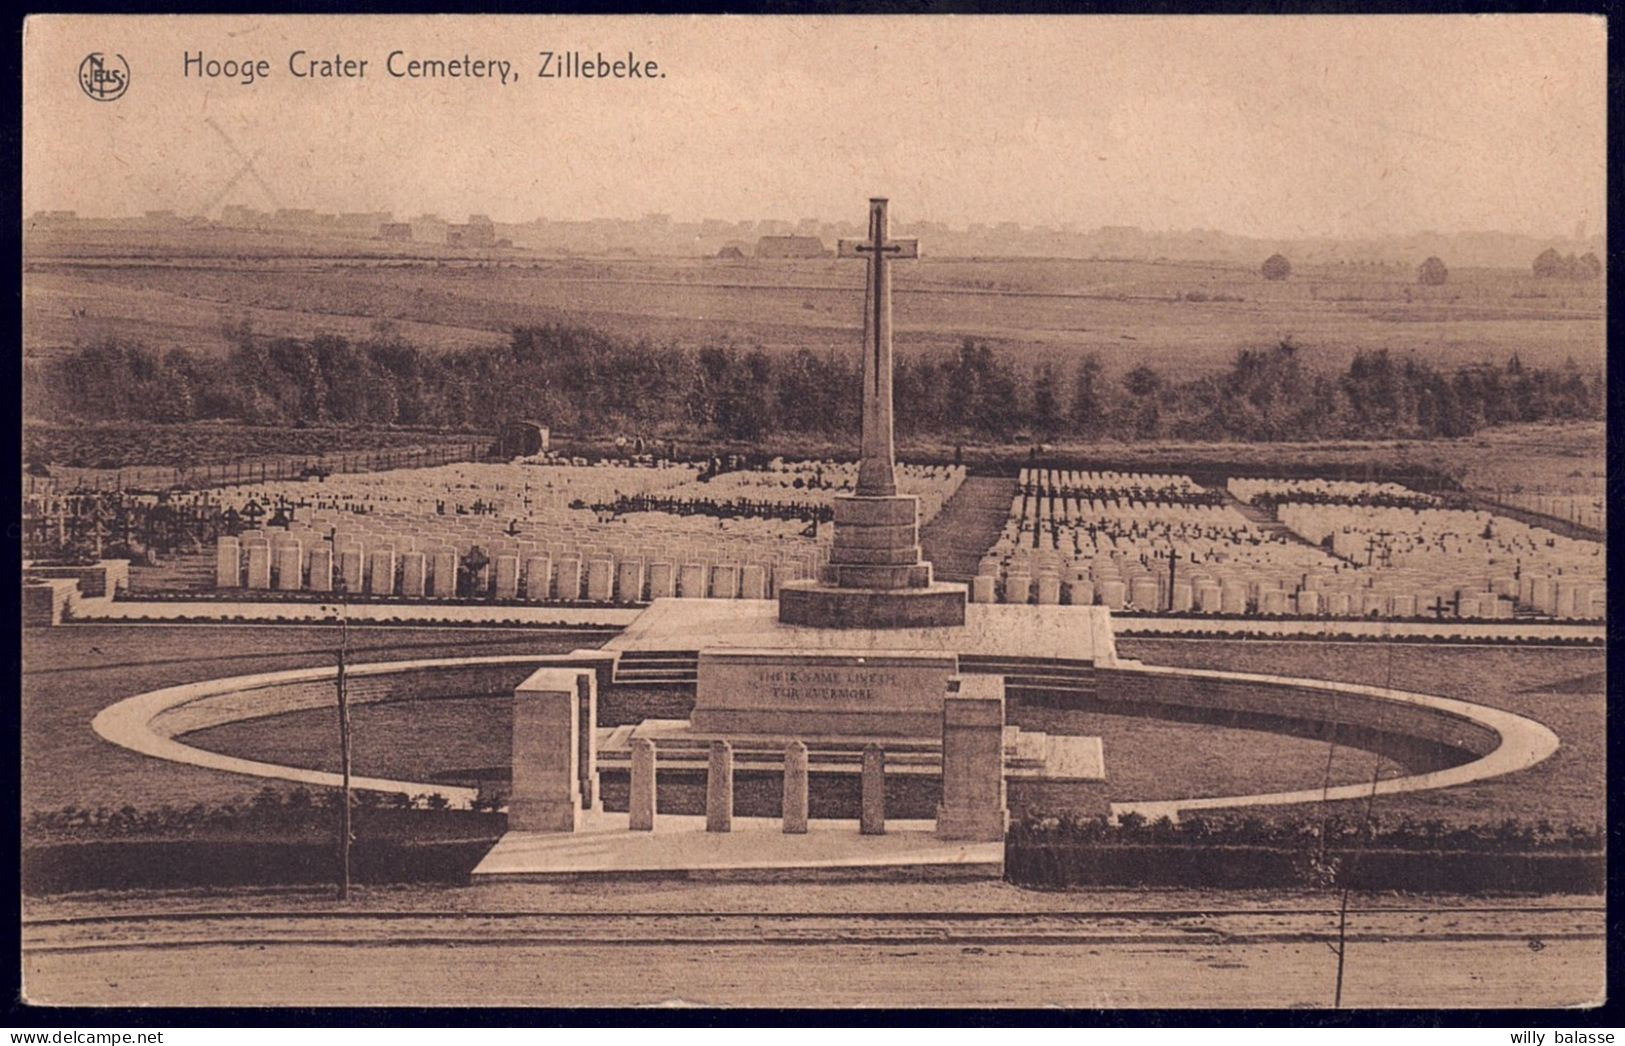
[875,577]
[877,474]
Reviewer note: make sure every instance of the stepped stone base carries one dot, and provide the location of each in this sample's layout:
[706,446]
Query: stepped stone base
[937,605]
[875,577]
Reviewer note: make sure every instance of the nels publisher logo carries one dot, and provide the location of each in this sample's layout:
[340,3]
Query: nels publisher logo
[104,77]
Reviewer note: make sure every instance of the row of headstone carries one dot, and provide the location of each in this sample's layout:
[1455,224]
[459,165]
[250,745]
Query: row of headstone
[1573,599]
[415,574]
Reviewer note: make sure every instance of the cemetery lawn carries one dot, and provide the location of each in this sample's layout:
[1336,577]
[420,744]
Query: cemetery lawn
[70,673]
[1562,688]
[467,741]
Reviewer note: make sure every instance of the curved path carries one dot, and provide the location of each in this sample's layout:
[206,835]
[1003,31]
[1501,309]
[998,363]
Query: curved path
[149,723]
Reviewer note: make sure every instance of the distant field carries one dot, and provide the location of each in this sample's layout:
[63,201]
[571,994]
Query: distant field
[182,291]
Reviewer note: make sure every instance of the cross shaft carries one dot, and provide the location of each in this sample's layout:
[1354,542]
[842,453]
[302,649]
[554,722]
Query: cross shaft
[877,471]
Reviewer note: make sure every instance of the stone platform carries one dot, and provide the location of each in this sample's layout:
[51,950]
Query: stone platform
[991,630]
[603,847]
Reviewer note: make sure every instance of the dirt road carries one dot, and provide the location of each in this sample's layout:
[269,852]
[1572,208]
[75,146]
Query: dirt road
[1404,956]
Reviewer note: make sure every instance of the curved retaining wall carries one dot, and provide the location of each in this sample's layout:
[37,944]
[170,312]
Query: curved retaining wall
[149,723]
[1493,742]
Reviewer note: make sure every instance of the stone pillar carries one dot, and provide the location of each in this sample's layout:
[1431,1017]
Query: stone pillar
[795,788]
[259,566]
[381,572]
[753,581]
[445,573]
[547,726]
[321,569]
[228,564]
[662,581]
[983,589]
[641,804]
[691,581]
[719,788]
[1541,593]
[725,582]
[600,580]
[538,578]
[349,579]
[569,579]
[507,579]
[872,819]
[629,581]
[414,573]
[290,567]
[973,790]
[587,746]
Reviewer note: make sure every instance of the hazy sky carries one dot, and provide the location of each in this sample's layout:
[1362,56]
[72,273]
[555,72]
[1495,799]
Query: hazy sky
[1261,126]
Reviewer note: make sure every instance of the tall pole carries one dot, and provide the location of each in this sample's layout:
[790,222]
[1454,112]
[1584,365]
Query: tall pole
[344,760]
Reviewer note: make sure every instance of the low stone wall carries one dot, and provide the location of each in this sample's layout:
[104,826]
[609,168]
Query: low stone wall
[150,723]
[1449,742]
[1132,688]
[46,602]
[276,697]
[100,580]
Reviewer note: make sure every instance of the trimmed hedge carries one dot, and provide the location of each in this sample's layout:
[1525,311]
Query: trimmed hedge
[122,864]
[1249,852]
[275,839]
[1064,865]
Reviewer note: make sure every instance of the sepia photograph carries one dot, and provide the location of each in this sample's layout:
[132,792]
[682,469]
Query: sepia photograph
[835,512]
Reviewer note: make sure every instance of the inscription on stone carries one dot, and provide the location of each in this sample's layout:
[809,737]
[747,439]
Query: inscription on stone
[797,685]
[827,692]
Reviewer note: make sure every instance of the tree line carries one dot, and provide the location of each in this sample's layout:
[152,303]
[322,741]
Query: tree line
[581,380]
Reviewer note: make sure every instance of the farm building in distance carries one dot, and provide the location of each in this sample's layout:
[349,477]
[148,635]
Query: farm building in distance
[479,232]
[791,247]
[401,231]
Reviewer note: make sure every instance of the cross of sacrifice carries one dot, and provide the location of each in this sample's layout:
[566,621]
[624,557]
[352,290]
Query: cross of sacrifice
[876,468]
